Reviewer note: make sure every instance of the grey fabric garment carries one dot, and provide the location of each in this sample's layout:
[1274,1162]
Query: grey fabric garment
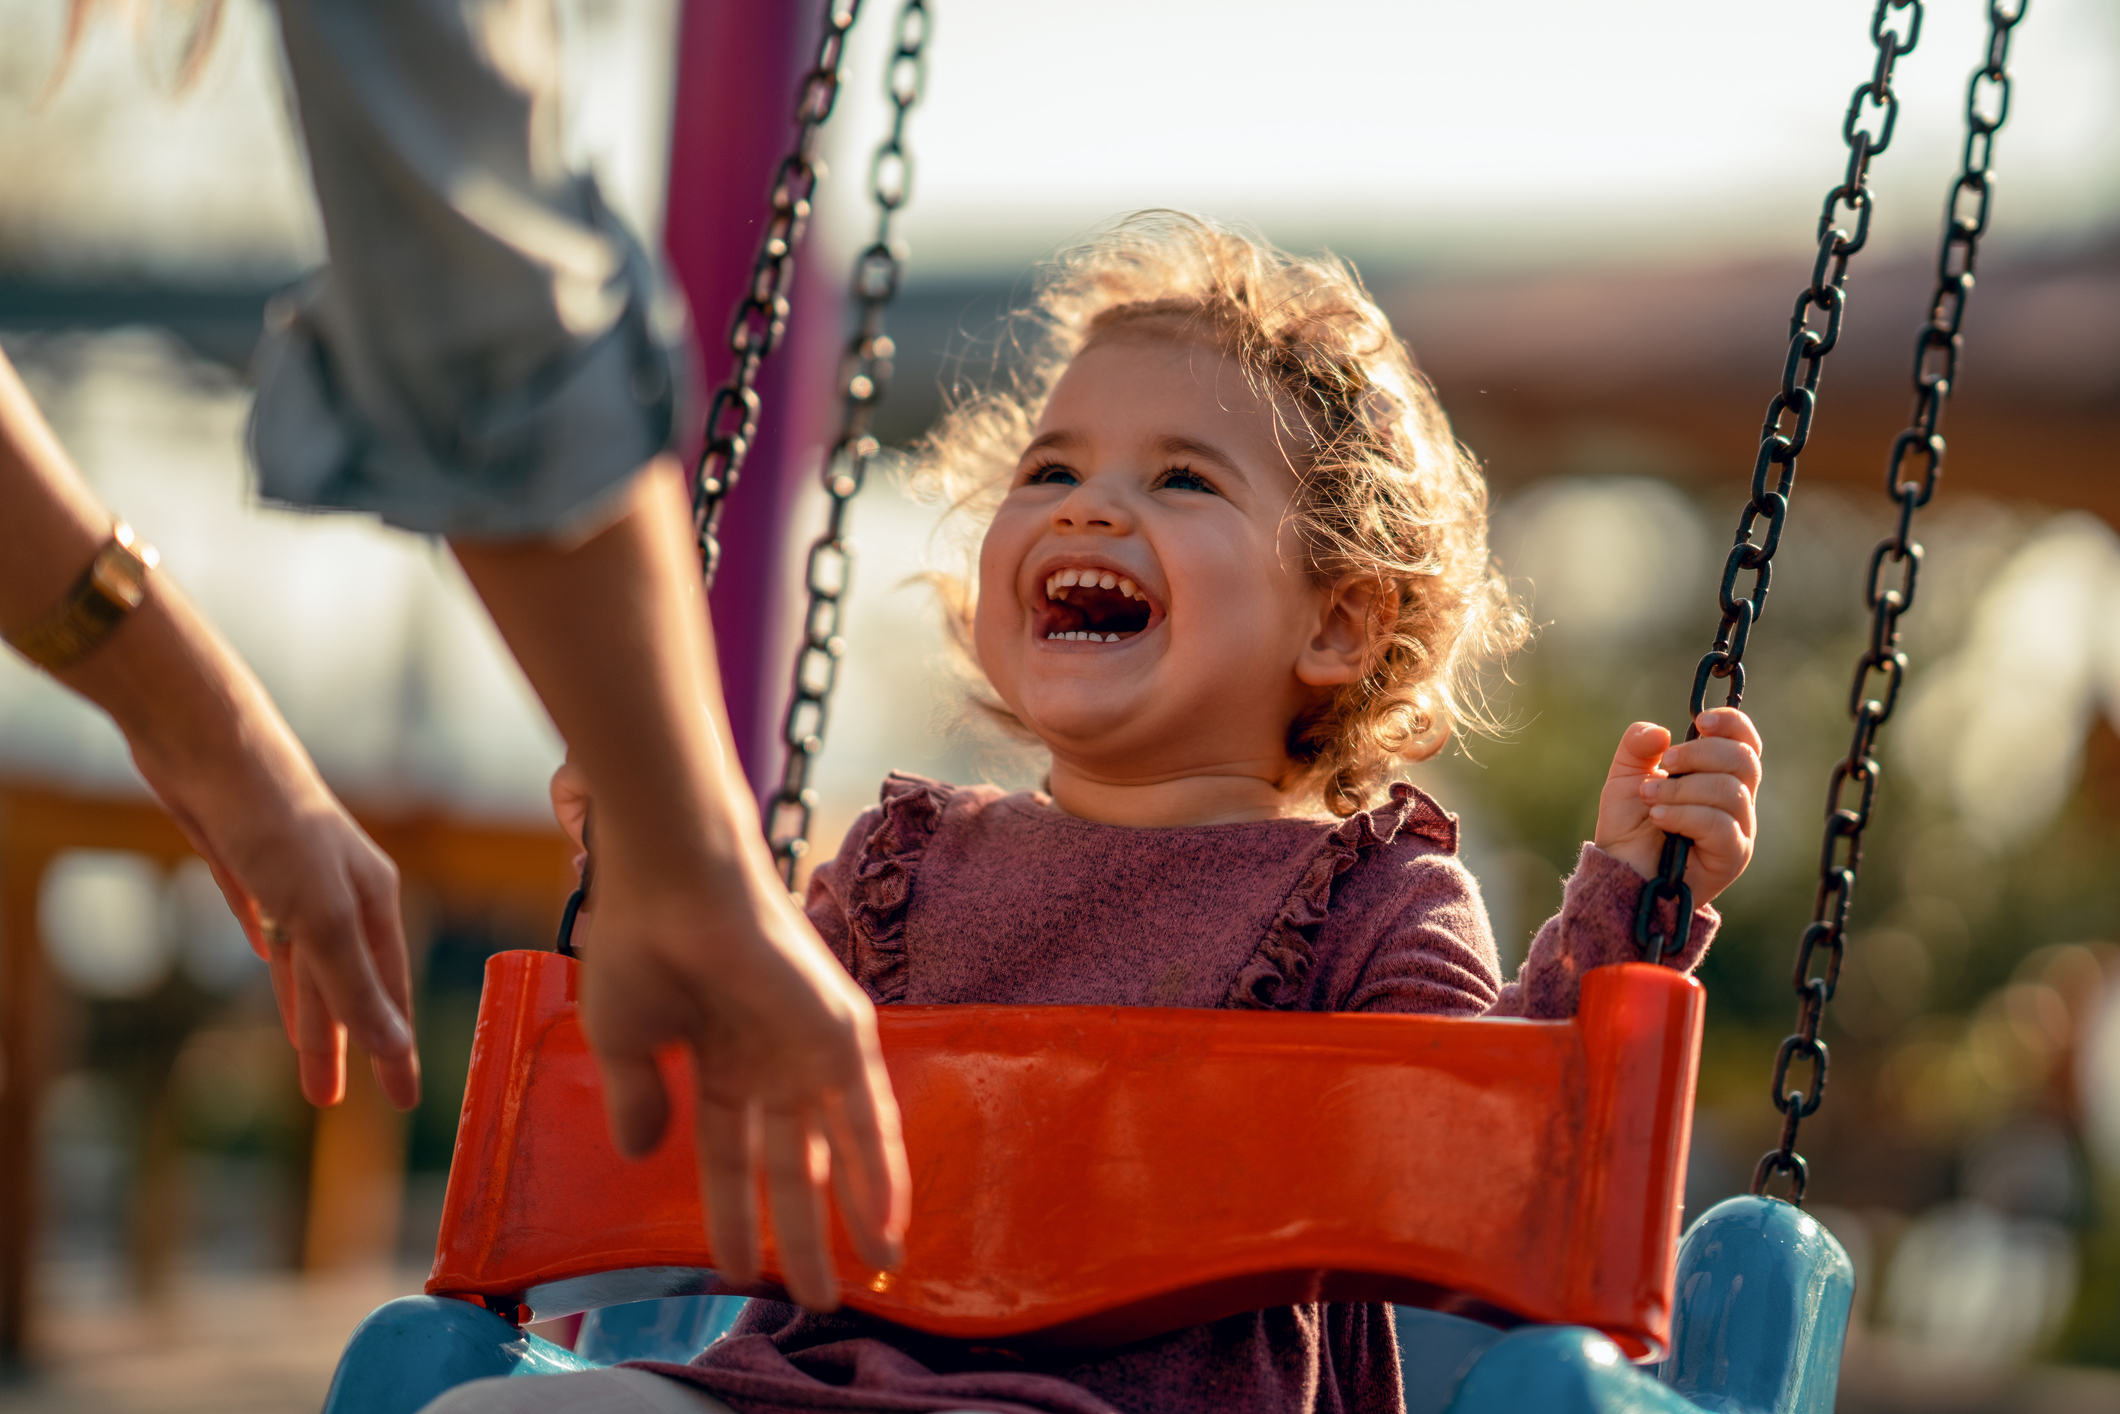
[616,1391]
[578,1392]
[484,355]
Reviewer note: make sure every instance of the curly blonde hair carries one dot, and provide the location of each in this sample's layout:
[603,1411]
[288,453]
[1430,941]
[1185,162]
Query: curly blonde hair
[1384,489]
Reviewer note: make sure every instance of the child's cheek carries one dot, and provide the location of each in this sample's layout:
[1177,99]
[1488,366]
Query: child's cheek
[997,612]
[997,567]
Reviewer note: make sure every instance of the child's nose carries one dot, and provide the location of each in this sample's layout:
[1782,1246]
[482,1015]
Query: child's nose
[1090,506]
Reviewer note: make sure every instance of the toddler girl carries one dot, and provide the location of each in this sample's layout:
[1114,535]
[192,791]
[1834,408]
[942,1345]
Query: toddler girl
[1235,570]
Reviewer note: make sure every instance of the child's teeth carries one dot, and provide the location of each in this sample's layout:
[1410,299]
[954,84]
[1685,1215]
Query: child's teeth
[1069,577]
[1108,581]
[1126,587]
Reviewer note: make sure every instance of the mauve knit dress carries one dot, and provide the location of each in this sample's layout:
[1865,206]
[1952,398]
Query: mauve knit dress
[964,894]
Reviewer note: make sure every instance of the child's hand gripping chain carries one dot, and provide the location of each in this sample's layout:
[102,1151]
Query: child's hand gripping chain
[1702,789]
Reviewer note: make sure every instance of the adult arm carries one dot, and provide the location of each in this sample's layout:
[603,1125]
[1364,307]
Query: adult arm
[225,765]
[694,941]
[483,359]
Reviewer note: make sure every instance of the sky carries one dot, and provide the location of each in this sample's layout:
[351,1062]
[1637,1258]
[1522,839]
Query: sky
[1422,132]
[1476,132]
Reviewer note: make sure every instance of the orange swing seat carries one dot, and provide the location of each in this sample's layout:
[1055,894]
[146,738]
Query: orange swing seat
[1094,1175]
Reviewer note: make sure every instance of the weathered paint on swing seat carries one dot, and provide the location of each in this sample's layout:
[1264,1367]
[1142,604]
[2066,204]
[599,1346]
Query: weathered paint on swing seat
[1097,1175]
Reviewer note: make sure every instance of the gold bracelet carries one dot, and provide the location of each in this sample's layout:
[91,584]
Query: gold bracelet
[110,588]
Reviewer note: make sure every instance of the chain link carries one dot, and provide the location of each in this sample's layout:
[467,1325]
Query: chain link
[1888,592]
[762,315]
[755,331]
[1873,113]
[865,372]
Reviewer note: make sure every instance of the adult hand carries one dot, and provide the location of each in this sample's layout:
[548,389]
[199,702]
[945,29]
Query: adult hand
[225,765]
[1703,789]
[317,899]
[692,941]
[785,1064]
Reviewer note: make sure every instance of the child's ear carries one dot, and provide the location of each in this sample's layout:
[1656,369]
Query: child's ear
[1357,610]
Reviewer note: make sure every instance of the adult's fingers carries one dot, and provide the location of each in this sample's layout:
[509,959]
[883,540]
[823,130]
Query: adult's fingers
[279,965]
[798,1164]
[570,802]
[727,1139]
[384,930]
[319,1038]
[634,1097]
[244,907]
[869,1169]
[333,953]
[320,1065]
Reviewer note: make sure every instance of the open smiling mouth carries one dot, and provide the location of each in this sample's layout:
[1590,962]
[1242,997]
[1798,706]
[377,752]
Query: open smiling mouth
[1093,606]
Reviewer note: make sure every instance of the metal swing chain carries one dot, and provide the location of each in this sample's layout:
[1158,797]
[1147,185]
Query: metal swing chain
[754,332]
[864,373]
[1779,446]
[1936,348]
[762,316]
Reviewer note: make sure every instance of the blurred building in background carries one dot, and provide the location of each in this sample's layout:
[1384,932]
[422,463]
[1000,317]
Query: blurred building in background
[1591,235]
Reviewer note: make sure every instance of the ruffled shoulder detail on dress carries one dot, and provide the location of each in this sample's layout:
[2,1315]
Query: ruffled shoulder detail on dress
[1273,978]
[880,885]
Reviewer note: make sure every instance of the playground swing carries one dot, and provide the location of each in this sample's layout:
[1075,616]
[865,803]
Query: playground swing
[1522,1204]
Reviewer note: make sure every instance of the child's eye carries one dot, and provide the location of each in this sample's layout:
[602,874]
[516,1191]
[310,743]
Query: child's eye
[1180,478]
[1051,474]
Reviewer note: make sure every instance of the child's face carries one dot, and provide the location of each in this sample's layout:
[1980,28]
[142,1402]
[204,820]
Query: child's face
[1156,469]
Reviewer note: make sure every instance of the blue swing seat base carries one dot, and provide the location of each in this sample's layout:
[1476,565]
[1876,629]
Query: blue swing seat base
[1762,1312]
[410,1351]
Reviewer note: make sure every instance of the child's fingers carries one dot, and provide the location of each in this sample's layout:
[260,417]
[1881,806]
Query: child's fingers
[1730,724]
[1641,746]
[1713,755]
[1714,831]
[1718,792]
